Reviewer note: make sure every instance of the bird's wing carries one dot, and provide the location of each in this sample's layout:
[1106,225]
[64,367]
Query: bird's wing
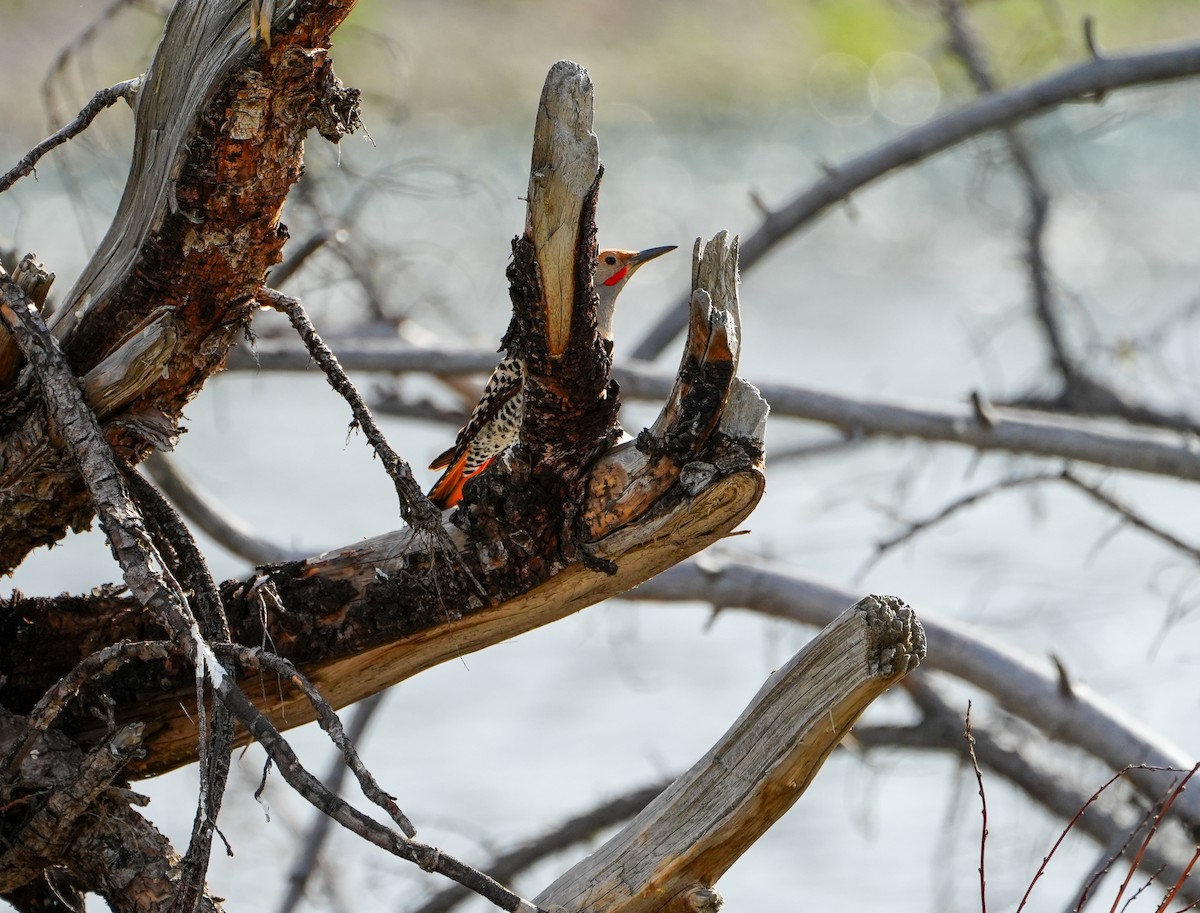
[502,386]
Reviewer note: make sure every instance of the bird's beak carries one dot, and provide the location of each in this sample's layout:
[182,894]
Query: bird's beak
[645,256]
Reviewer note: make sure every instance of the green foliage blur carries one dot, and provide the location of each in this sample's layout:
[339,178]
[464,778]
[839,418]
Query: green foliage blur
[682,61]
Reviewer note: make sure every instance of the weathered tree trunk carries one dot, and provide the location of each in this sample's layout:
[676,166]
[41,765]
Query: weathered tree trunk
[220,128]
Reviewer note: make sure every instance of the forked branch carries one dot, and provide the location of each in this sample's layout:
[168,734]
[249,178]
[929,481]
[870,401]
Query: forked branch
[358,619]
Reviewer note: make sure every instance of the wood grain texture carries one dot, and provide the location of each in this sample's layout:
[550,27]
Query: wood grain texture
[669,856]
[364,617]
[566,160]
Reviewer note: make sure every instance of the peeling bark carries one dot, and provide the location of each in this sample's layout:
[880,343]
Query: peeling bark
[220,128]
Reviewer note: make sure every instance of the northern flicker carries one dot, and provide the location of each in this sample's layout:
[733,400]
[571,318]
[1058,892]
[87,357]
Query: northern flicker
[495,423]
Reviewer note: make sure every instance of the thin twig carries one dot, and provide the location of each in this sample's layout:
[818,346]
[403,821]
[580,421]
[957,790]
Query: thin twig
[309,856]
[298,254]
[1025,765]
[416,509]
[583,827]
[1158,819]
[56,70]
[970,51]
[105,98]
[916,527]
[983,831]
[101,663]
[259,659]
[1114,851]
[1129,515]
[1178,886]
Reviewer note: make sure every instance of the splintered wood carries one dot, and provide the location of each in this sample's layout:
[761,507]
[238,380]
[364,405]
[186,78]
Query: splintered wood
[566,159]
[682,445]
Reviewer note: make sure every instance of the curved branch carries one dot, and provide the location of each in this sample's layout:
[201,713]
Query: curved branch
[1089,79]
[105,98]
[1027,689]
[219,131]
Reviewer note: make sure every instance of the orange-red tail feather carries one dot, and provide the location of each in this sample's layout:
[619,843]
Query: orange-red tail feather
[449,488]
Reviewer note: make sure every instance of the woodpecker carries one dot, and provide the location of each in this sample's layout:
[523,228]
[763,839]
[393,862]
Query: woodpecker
[495,423]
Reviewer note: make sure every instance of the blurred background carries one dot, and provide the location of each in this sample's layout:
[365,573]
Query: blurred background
[916,289]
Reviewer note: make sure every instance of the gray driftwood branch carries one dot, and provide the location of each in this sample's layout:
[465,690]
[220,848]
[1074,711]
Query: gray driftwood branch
[670,856]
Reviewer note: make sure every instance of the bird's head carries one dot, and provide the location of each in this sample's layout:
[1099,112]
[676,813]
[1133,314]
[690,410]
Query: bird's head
[613,269]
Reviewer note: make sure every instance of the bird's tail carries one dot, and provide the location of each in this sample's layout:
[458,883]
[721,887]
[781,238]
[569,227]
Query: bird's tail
[449,488]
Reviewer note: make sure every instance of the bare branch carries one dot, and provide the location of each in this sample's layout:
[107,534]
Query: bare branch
[309,857]
[105,98]
[255,658]
[1024,763]
[970,51]
[583,827]
[1159,452]
[1005,429]
[914,528]
[229,531]
[160,594]
[969,738]
[1129,515]
[207,152]
[1025,688]
[298,254]
[1083,81]
[691,833]
[416,509]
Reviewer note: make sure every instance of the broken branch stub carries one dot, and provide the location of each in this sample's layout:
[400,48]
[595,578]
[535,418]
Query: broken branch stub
[529,500]
[693,441]
[570,408]
[564,167]
[673,852]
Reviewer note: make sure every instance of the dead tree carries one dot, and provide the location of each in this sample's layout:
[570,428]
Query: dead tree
[567,518]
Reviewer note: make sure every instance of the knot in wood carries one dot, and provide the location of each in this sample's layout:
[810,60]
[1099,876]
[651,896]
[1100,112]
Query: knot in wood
[697,476]
[427,857]
[701,898]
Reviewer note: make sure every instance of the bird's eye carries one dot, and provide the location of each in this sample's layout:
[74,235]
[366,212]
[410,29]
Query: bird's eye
[610,260]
